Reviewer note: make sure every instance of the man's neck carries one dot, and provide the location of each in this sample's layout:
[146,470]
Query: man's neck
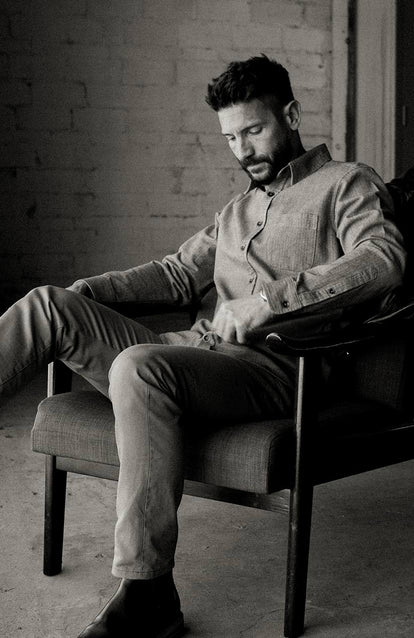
[297,151]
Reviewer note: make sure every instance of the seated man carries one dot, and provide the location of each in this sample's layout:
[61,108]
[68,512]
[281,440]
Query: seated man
[309,237]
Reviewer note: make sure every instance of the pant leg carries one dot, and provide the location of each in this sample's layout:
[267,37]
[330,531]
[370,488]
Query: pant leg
[151,388]
[55,323]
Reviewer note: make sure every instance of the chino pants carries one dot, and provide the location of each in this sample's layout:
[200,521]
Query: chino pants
[154,387]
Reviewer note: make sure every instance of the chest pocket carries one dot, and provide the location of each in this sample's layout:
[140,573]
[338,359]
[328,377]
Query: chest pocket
[291,242]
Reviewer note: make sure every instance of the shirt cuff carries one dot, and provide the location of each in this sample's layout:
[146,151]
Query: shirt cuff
[282,296]
[290,294]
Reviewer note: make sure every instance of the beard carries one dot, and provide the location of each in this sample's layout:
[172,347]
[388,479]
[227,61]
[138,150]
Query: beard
[267,166]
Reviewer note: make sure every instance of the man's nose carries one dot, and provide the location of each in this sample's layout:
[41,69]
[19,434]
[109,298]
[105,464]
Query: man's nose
[244,149]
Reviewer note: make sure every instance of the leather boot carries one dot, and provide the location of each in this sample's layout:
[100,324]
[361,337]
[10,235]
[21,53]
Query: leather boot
[140,609]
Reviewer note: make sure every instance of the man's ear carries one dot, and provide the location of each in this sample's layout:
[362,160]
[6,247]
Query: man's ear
[292,113]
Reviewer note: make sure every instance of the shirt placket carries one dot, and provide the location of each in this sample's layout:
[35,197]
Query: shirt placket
[260,225]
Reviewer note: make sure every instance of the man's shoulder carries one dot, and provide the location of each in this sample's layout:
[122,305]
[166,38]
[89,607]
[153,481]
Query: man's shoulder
[339,170]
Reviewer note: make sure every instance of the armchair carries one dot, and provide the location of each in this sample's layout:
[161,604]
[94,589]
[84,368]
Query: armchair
[368,424]
[365,421]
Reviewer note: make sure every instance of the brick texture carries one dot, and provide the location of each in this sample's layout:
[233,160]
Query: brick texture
[109,154]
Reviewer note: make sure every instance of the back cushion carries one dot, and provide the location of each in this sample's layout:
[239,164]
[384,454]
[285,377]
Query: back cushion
[383,372]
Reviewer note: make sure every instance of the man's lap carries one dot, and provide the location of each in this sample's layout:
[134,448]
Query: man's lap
[206,382]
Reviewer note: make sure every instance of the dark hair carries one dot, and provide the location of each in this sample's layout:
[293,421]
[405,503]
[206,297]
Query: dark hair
[253,78]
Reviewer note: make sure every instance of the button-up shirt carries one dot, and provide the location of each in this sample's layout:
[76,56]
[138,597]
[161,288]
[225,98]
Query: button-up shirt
[322,241]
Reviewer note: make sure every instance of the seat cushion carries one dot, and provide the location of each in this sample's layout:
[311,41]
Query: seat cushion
[80,425]
[254,457]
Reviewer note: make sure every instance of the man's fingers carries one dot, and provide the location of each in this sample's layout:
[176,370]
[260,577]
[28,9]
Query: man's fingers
[233,320]
[224,325]
[241,334]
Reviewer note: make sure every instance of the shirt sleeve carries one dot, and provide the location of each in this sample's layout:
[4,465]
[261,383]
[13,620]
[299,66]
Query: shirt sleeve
[178,279]
[373,260]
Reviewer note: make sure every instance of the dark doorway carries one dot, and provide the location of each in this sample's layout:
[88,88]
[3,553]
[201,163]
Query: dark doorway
[404,134]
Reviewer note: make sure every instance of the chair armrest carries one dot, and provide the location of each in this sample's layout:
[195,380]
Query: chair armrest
[308,390]
[387,325]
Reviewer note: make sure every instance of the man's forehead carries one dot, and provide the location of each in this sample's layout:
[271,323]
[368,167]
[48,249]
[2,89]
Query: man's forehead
[243,114]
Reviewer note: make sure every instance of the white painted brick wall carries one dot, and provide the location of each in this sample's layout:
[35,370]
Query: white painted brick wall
[109,154]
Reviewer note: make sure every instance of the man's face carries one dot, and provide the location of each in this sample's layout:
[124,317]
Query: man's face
[259,139]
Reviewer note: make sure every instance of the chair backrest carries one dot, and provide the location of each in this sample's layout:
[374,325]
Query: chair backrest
[384,371]
[401,190]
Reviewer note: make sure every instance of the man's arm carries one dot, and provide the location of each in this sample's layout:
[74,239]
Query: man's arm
[371,267]
[177,279]
[373,262]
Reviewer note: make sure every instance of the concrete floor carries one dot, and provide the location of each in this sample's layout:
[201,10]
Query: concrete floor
[230,560]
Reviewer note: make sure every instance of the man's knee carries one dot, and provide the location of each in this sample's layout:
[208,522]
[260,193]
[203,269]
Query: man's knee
[48,303]
[142,362]
[46,293]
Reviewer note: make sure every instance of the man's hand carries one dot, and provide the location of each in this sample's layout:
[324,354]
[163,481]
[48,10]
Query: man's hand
[237,318]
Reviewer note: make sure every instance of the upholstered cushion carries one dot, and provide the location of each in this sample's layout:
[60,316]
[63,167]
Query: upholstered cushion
[80,425]
[255,457]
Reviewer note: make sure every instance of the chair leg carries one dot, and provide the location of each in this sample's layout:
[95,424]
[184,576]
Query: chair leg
[55,497]
[298,553]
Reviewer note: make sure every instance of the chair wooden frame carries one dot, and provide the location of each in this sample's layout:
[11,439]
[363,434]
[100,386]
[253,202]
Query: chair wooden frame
[396,445]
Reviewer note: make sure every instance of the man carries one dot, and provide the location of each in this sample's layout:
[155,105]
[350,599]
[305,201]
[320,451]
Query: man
[309,238]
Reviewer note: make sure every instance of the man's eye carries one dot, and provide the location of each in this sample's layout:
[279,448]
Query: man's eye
[255,130]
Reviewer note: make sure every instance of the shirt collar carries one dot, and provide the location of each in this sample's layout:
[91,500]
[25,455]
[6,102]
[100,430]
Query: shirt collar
[301,167]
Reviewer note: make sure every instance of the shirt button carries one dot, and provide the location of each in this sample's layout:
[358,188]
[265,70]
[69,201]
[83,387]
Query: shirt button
[331,291]
[251,280]
[270,193]
[242,247]
[285,304]
[259,223]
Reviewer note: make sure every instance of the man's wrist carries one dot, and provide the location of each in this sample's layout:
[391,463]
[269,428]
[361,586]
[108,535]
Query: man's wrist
[266,311]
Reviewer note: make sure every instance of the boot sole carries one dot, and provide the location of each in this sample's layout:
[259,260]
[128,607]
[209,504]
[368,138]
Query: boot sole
[174,630]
